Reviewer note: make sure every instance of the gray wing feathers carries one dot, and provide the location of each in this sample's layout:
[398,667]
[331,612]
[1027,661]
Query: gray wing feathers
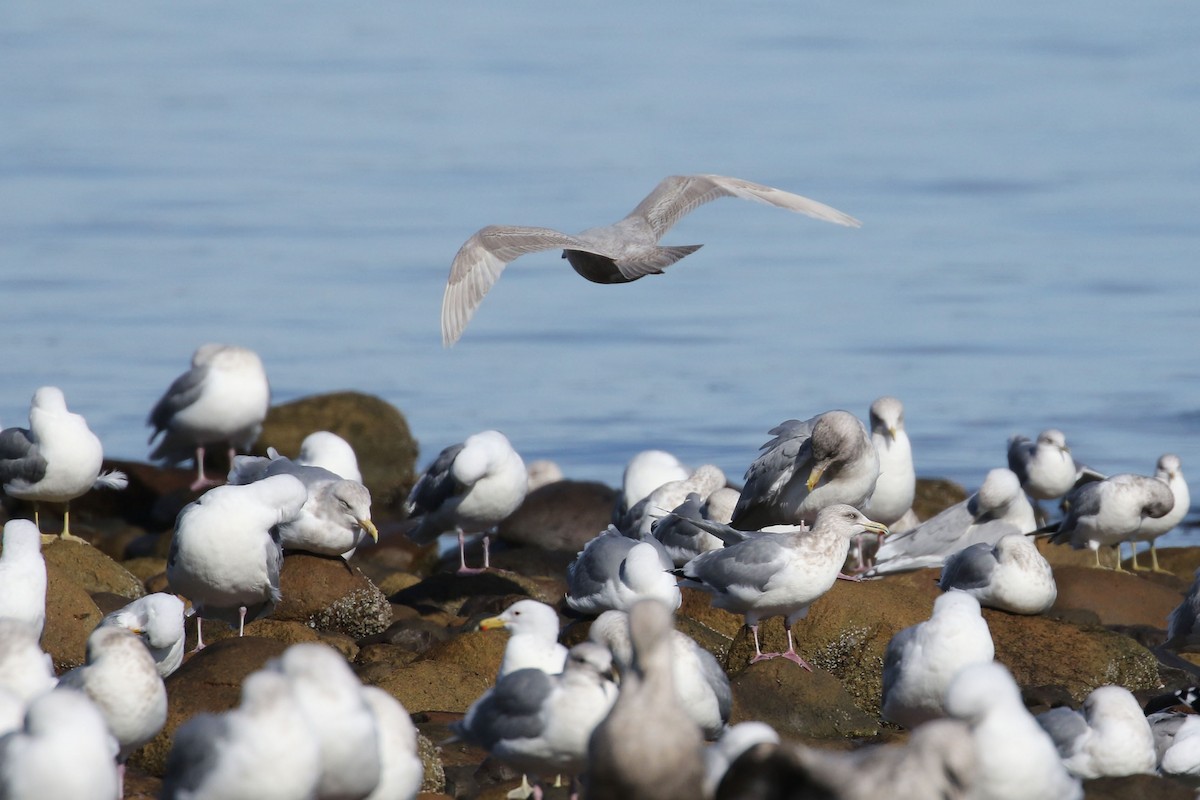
[511,710]
[184,391]
[738,565]
[781,458]
[598,561]
[970,568]
[1065,727]
[437,485]
[194,754]
[716,678]
[19,458]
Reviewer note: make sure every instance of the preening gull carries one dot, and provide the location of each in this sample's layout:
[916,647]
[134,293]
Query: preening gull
[1015,759]
[533,637]
[469,488]
[332,452]
[334,519]
[262,750]
[330,697]
[897,484]
[63,751]
[998,509]
[700,684]
[648,746]
[541,723]
[705,480]
[1110,738]
[1170,469]
[779,574]
[921,661]
[401,770]
[644,473]
[222,400]
[158,619]
[617,253]
[55,460]
[1010,575]
[225,556]
[1111,511]
[612,572]
[122,680]
[1044,467]
[23,575]
[809,465]
[736,740]
[25,671]
[681,533]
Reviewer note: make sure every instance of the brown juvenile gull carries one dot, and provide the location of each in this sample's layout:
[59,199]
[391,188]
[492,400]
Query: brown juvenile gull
[779,574]
[222,399]
[648,747]
[617,253]
[821,461]
[1169,469]
[56,459]
[1111,511]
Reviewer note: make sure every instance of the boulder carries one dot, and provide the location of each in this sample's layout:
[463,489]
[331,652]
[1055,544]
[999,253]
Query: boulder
[562,516]
[935,495]
[328,594]
[1117,598]
[798,703]
[71,616]
[449,676]
[93,570]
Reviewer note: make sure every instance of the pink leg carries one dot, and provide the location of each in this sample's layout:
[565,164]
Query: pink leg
[791,655]
[201,482]
[241,621]
[463,569]
[759,655]
[844,577]
[199,637]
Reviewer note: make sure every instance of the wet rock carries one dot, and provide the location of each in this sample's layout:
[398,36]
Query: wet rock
[71,616]
[92,569]
[328,594]
[798,703]
[562,516]
[1118,598]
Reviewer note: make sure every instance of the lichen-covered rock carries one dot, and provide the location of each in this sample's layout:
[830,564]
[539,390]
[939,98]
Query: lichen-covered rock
[449,676]
[328,594]
[563,516]
[93,570]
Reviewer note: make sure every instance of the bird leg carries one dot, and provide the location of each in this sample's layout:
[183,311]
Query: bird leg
[1154,567]
[199,637]
[523,791]
[791,655]
[1132,557]
[759,655]
[201,482]
[241,621]
[463,569]
[844,577]
[1117,554]
[1096,552]
[66,534]
[574,784]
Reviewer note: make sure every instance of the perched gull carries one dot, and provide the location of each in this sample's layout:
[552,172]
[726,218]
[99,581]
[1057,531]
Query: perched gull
[681,533]
[533,637]
[700,683]
[897,484]
[1182,620]
[1010,575]
[332,452]
[921,661]
[998,509]
[1015,758]
[736,740]
[25,671]
[1110,738]
[121,678]
[779,574]
[330,698]
[63,751]
[1170,470]
[648,746]
[225,556]
[617,253]
[470,487]
[1111,511]
[541,723]
[23,575]
[809,465]
[644,473]
[1182,756]
[222,399]
[261,750]
[158,619]
[612,572]
[640,520]
[1045,467]
[55,460]
[334,519]
[401,771]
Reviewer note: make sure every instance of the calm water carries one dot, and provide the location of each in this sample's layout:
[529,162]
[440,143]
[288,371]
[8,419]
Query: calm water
[296,177]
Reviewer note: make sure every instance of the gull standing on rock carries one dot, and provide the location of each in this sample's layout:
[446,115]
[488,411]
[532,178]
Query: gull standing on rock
[23,575]
[896,487]
[997,510]
[1111,511]
[222,400]
[55,460]
[332,452]
[469,488]
[158,619]
[1111,738]
[1044,467]
[533,637]
[619,253]
[809,465]
[779,574]
[226,555]
[1010,575]
[1170,470]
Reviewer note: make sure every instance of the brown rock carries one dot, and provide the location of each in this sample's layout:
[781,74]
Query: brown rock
[146,568]
[935,495]
[71,616]
[448,677]
[1181,561]
[92,569]
[448,592]
[697,607]
[378,432]
[328,594]
[798,703]
[563,516]
[1118,598]
[1143,787]
[287,632]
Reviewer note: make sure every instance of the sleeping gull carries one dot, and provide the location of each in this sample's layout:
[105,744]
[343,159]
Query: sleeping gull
[401,771]
[533,637]
[222,399]
[700,684]
[225,555]
[1010,575]
[541,723]
[819,462]
[63,751]
[644,473]
[998,509]
[648,746]
[1182,755]
[158,619]
[55,460]
[705,480]
[470,487]
[1170,470]
[261,750]
[25,671]
[328,450]
[612,572]
[330,698]
[1044,467]
[897,484]
[736,739]
[1015,758]
[23,575]
[1111,511]
[779,574]
[922,660]
[618,253]
[122,680]
[334,519]
[1111,738]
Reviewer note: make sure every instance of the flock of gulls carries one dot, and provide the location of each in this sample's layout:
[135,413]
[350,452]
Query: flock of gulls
[828,498]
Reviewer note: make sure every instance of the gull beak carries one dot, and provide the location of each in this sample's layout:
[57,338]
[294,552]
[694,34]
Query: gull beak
[491,623]
[814,476]
[370,528]
[891,433]
[877,528]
